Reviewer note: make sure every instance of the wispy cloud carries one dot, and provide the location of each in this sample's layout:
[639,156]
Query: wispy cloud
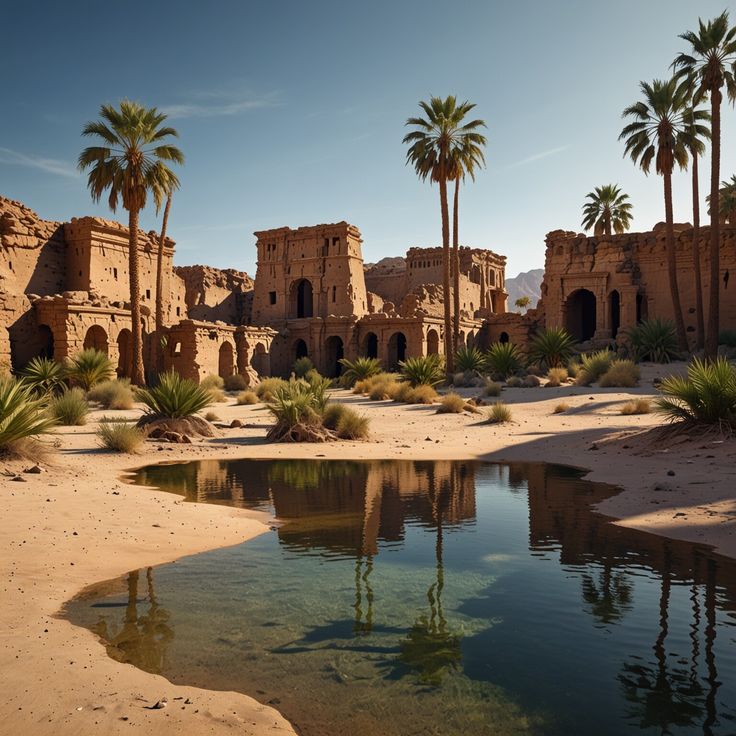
[538,156]
[220,104]
[49,165]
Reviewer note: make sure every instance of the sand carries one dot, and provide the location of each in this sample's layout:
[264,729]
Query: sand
[78,523]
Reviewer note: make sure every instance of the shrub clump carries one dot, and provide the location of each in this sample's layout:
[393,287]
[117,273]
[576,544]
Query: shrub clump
[498,413]
[212,416]
[654,340]
[298,407]
[267,388]
[89,367]
[637,406]
[503,359]
[302,366]
[622,373]
[112,394]
[515,382]
[212,381]
[491,388]
[246,398]
[45,376]
[423,370]
[561,408]
[351,425]
[120,437]
[236,382]
[530,381]
[357,370]
[23,417]
[451,403]
[556,377]
[593,366]
[70,409]
[405,393]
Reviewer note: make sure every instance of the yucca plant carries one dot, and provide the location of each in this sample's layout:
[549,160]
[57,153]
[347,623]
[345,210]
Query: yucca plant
[707,396]
[551,347]
[174,397]
[654,340]
[89,367]
[358,370]
[22,416]
[45,376]
[297,407]
[423,370]
[469,359]
[503,359]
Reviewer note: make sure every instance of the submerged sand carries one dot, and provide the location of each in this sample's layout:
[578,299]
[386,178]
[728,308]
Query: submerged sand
[77,523]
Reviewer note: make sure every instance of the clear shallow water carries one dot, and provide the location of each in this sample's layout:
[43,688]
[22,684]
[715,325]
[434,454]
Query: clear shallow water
[400,597]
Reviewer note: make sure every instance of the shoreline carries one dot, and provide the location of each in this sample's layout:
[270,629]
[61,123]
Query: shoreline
[81,522]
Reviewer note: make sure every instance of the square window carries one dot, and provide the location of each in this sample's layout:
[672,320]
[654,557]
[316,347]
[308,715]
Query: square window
[272,297]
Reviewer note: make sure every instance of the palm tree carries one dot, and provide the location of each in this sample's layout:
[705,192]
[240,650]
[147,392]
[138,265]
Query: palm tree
[607,209]
[726,201]
[432,144]
[130,164]
[711,64]
[160,285]
[657,134]
[467,155]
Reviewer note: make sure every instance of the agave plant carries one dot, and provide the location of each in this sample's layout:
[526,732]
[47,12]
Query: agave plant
[503,359]
[654,340]
[423,370]
[44,375]
[22,414]
[174,397]
[358,370]
[551,347]
[707,396]
[298,407]
[89,367]
[469,359]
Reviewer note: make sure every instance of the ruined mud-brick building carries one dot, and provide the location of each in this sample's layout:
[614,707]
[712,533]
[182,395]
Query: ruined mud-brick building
[598,287]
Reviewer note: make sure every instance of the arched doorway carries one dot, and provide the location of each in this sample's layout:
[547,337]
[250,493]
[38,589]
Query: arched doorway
[96,338]
[226,360]
[433,342]
[300,350]
[396,349]
[302,299]
[45,342]
[125,354]
[580,314]
[334,352]
[261,361]
[370,345]
[614,312]
[503,337]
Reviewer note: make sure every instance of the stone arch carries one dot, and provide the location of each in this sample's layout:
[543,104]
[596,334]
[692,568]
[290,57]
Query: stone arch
[504,337]
[614,312]
[301,299]
[261,361]
[226,360]
[300,349]
[580,314]
[125,353]
[433,342]
[370,345]
[96,338]
[396,349]
[334,351]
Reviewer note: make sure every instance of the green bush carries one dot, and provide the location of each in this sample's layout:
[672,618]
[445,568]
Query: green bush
[70,409]
[503,359]
[706,397]
[267,388]
[23,416]
[302,366]
[120,437]
[174,397]
[654,340]
[498,413]
[298,407]
[331,415]
[236,382]
[246,398]
[551,347]
[112,394]
[622,373]
[469,359]
[358,370]
[89,367]
[423,370]
[451,404]
[45,376]
[351,425]
[593,366]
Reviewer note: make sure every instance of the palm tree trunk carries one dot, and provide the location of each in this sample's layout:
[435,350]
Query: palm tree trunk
[711,336]
[672,262]
[455,271]
[137,377]
[160,288]
[446,273]
[700,319]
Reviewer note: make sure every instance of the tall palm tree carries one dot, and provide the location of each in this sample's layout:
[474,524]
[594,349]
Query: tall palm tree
[467,156]
[430,152]
[657,134]
[711,64]
[726,201]
[608,209]
[129,163]
[160,285]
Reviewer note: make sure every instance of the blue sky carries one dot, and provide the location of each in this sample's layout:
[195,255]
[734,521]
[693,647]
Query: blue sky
[291,112]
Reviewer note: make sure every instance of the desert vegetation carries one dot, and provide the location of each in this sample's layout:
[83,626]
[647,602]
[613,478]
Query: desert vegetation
[23,418]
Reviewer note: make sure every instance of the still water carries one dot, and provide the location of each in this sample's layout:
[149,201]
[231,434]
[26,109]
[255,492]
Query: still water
[400,597]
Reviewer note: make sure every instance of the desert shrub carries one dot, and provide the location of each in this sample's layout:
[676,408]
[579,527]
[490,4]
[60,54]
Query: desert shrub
[706,397]
[246,398]
[451,404]
[422,394]
[212,382]
[654,340]
[212,416]
[120,437]
[593,366]
[556,377]
[236,382]
[44,375]
[174,397]
[573,368]
[267,388]
[217,395]
[23,416]
[468,378]
[561,408]
[112,394]
[351,425]
[727,338]
[623,373]
[358,370]
[89,367]
[503,359]
[469,359]
[515,382]
[498,413]
[332,413]
[637,406]
[298,407]
[401,391]
[70,409]
[491,388]
[302,366]
[423,370]
[551,347]
[319,386]
[530,381]
[383,387]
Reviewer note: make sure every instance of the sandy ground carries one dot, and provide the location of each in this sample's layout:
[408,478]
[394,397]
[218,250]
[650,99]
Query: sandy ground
[77,523]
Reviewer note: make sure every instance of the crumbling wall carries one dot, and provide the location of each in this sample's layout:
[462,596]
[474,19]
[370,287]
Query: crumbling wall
[214,294]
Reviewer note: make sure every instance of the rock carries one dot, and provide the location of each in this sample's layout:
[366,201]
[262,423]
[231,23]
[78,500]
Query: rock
[235,423]
[19,479]
[34,469]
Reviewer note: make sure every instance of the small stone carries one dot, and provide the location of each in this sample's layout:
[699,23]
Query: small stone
[34,469]
[670,472]
[19,479]
[235,424]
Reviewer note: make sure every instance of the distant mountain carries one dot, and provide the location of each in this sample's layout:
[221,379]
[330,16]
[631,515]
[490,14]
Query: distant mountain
[525,284]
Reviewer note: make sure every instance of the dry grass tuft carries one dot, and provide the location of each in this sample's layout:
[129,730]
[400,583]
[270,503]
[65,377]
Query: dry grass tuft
[561,408]
[120,437]
[451,403]
[351,425]
[211,416]
[556,377]
[499,413]
[112,394]
[622,373]
[70,409]
[246,398]
[492,388]
[637,406]
[236,382]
